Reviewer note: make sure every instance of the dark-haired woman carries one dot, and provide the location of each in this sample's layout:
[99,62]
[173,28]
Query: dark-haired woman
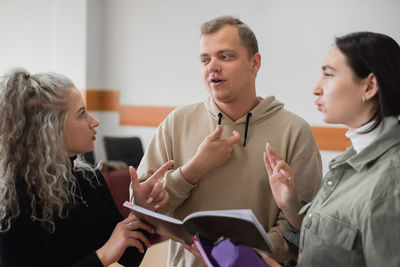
[354,220]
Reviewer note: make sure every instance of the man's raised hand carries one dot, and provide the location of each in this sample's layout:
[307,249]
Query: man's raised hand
[150,194]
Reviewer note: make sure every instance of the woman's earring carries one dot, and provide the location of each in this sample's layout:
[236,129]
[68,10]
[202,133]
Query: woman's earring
[363,99]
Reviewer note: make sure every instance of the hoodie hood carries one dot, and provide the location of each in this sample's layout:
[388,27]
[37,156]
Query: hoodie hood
[266,108]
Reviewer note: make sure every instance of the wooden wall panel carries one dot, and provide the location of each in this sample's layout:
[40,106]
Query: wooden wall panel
[327,138]
[143,115]
[101,100]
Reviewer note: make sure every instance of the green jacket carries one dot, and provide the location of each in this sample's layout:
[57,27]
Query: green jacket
[354,220]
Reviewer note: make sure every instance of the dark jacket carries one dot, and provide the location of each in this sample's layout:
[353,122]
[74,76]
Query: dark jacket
[76,238]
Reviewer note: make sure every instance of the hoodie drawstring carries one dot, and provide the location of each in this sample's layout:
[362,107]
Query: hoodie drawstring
[219,118]
[247,127]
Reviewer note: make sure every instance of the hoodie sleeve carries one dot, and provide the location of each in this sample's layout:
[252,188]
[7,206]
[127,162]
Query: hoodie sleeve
[158,152]
[307,165]
[305,160]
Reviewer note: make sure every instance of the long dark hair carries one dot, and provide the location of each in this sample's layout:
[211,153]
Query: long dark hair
[368,52]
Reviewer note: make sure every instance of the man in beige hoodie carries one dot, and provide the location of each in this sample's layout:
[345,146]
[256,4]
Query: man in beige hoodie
[218,144]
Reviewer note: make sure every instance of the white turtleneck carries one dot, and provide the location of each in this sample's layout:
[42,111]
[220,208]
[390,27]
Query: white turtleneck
[361,141]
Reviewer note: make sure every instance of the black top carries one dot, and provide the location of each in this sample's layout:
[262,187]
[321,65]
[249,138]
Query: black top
[76,238]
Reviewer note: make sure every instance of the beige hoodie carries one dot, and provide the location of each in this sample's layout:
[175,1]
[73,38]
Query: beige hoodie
[242,183]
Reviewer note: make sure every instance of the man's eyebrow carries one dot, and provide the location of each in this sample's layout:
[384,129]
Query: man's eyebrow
[327,67]
[219,52]
[226,50]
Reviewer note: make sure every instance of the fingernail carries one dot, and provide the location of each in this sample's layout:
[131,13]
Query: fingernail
[157,206]
[149,200]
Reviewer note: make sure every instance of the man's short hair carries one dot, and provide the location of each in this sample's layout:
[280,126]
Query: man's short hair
[246,35]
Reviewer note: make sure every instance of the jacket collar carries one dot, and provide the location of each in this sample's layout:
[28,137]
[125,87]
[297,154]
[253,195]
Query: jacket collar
[378,147]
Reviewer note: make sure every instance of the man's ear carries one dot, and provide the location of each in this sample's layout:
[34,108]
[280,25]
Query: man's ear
[256,62]
[371,88]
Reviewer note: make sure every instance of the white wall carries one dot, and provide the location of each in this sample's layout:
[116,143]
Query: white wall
[44,35]
[151,51]
[148,49]
[23,42]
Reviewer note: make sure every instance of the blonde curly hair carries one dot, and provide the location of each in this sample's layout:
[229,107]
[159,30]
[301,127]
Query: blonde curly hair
[34,164]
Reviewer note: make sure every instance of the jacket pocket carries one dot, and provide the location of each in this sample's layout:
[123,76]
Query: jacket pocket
[332,242]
